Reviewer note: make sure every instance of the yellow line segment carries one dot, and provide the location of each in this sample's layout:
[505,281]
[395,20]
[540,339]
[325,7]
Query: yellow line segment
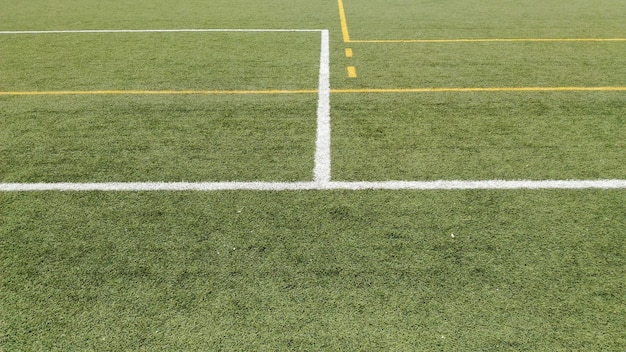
[351,72]
[344,23]
[490,40]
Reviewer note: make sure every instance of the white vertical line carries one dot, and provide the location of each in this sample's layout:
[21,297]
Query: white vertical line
[321,172]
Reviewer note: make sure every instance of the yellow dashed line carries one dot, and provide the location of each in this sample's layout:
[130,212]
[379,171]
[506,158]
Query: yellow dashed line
[351,71]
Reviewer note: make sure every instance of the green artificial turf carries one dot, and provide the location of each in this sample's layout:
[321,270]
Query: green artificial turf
[502,135]
[158,138]
[370,270]
[494,64]
[121,14]
[479,19]
[160,61]
[479,270]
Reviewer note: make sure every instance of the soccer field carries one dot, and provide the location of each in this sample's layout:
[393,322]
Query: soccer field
[313,175]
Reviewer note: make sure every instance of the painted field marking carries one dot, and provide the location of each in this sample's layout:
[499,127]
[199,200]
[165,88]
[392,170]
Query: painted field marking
[318,186]
[349,52]
[182,30]
[490,40]
[314,91]
[351,71]
[321,170]
[344,23]
[480,89]
[162,92]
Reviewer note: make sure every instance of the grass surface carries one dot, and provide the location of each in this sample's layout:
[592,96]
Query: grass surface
[158,138]
[475,270]
[312,270]
[93,14]
[479,136]
[160,61]
[461,19]
[578,64]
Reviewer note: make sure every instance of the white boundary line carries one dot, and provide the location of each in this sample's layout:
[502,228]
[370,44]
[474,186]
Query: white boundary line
[189,30]
[321,172]
[304,186]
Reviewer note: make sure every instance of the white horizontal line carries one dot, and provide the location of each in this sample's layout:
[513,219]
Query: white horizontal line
[481,184]
[330,185]
[188,30]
